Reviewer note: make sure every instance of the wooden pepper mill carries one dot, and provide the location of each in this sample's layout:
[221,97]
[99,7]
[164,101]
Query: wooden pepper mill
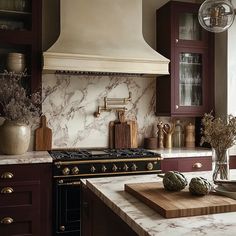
[160,127]
[190,136]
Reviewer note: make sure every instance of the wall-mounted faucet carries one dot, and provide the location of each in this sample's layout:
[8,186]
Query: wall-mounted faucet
[113,104]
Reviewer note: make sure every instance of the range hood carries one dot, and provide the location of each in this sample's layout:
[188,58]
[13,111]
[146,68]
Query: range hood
[102,36]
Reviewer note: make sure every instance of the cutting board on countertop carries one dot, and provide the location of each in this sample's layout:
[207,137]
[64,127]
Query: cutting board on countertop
[122,135]
[179,204]
[43,136]
[132,134]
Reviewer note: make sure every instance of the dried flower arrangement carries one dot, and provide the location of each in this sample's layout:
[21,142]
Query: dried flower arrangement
[16,105]
[221,135]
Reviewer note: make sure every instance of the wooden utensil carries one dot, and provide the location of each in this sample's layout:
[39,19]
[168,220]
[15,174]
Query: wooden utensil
[122,133]
[178,204]
[43,136]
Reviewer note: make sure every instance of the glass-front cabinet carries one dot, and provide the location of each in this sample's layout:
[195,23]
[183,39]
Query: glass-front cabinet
[188,90]
[20,39]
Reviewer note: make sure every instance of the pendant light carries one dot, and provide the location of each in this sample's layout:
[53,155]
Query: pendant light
[216,15]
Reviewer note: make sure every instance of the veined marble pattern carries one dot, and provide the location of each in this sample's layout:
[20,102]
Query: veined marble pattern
[146,222]
[26,158]
[70,101]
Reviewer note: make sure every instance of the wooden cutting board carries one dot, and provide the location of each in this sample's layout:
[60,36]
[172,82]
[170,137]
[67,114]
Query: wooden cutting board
[179,204]
[133,133]
[43,136]
[122,135]
[111,134]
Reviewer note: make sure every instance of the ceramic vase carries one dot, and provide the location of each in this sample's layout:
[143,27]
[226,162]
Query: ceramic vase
[221,164]
[14,138]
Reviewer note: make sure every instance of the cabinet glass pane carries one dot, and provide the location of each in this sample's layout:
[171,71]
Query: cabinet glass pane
[189,28]
[15,14]
[190,77]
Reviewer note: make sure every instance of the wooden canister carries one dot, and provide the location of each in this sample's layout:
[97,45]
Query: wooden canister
[150,143]
[190,136]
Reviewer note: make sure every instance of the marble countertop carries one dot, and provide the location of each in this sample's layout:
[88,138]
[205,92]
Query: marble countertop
[183,152]
[27,158]
[147,222]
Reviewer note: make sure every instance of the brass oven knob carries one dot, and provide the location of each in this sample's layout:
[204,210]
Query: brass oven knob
[149,166]
[134,167]
[93,169]
[104,168]
[7,190]
[7,221]
[125,167]
[7,175]
[75,170]
[66,171]
[114,168]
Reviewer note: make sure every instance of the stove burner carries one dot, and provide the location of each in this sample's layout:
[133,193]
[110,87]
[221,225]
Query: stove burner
[101,154]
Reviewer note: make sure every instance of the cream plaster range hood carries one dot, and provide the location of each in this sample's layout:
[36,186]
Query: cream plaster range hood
[102,36]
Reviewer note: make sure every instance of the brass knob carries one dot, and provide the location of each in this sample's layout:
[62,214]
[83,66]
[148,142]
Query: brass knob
[75,170]
[104,168]
[7,175]
[93,169]
[149,166]
[134,167]
[66,171]
[7,190]
[114,168]
[125,168]
[7,220]
[197,165]
[176,40]
[62,228]
[176,107]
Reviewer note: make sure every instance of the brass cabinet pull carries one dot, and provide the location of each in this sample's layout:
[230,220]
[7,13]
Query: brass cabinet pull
[7,190]
[62,228]
[197,165]
[7,175]
[7,220]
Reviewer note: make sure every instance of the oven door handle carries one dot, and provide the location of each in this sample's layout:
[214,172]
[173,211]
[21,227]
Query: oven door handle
[75,183]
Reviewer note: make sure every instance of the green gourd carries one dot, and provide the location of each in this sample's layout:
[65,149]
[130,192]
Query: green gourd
[199,186]
[174,181]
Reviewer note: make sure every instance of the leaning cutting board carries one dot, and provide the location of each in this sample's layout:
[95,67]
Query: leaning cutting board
[43,136]
[179,204]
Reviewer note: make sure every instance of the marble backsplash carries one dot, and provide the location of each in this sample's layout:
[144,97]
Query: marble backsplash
[69,102]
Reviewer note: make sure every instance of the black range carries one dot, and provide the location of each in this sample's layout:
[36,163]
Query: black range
[69,166]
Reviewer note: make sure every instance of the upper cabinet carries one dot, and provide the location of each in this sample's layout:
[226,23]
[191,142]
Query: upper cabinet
[21,39]
[189,88]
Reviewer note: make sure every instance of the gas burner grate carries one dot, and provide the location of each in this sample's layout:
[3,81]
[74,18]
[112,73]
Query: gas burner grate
[101,154]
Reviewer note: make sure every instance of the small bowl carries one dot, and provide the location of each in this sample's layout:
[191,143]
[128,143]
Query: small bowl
[229,185]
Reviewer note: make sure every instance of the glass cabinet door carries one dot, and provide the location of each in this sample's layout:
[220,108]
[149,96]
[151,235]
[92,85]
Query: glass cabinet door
[189,28]
[190,79]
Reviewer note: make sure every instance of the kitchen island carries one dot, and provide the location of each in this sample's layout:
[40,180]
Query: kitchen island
[142,220]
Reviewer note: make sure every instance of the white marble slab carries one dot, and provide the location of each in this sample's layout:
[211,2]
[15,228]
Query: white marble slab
[183,152]
[145,221]
[27,158]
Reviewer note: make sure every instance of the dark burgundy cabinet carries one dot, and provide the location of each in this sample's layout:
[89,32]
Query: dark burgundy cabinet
[21,32]
[98,219]
[187,164]
[188,89]
[25,200]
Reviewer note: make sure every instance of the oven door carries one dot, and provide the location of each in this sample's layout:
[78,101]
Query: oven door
[67,207]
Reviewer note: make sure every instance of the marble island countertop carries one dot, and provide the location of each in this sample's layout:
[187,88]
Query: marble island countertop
[147,222]
[183,152]
[27,158]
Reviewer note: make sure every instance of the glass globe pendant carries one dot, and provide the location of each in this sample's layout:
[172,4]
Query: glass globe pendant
[216,15]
